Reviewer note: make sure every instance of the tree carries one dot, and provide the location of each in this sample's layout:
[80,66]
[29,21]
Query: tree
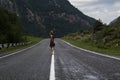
[98,25]
[10,29]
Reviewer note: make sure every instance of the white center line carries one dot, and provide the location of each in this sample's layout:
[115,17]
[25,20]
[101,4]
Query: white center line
[52,68]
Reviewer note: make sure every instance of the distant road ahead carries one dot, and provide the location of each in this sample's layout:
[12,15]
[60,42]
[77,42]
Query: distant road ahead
[70,64]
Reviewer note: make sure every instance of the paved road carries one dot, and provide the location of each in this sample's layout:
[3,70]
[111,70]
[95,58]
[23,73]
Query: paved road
[70,64]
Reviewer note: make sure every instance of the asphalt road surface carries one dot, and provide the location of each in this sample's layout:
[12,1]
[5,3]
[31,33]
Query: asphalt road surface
[70,64]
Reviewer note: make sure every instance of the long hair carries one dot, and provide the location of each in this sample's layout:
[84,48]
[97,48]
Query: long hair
[51,33]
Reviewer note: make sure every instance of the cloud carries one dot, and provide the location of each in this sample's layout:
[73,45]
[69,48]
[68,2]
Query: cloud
[118,12]
[107,10]
[117,4]
[105,16]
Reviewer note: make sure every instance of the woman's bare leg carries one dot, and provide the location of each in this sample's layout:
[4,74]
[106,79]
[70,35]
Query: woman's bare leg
[52,49]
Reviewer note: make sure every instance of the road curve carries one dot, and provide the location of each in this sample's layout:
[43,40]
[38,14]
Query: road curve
[70,64]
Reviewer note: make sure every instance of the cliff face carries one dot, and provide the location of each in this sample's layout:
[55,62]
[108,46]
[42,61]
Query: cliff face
[38,17]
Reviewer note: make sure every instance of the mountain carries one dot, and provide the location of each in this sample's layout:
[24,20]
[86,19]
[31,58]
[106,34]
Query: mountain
[115,22]
[38,17]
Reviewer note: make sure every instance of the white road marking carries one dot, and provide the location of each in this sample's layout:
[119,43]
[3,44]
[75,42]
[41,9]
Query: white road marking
[92,51]
[52,68]
[17,51]
[90,77]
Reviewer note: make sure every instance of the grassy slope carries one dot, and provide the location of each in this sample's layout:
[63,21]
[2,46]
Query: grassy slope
[33,40]
[92,47]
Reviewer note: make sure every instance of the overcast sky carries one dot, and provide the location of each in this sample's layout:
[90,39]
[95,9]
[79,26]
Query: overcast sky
[106,10]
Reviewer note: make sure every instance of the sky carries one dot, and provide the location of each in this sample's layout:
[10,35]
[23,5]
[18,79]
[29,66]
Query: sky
[106,10]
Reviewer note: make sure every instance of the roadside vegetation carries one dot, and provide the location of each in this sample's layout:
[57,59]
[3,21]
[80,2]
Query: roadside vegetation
[102,38]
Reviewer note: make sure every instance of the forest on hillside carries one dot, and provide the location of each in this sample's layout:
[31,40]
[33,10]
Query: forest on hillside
[106,35]
[102,35]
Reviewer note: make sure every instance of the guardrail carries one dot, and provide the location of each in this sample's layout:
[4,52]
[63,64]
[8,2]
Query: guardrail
[7,45]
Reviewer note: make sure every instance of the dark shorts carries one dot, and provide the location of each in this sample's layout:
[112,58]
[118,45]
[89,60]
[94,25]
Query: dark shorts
[52,44]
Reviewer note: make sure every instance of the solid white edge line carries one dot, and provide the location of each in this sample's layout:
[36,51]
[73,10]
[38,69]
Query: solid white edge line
[52,68]
[92,51]
[18,51]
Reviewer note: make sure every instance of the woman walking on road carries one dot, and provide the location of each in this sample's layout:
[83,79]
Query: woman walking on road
[52,44]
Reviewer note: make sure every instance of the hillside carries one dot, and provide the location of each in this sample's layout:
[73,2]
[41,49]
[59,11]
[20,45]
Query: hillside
[40,16]
[115,22]
[103,38]
[106,36]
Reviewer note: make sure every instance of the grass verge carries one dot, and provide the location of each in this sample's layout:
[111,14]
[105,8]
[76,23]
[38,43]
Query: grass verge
[92,47]
[33,40]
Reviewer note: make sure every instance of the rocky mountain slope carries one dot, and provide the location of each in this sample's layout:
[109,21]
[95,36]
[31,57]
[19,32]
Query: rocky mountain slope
[115,22]
[38,17]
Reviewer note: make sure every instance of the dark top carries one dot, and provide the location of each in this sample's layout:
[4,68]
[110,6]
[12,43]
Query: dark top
[52,44]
